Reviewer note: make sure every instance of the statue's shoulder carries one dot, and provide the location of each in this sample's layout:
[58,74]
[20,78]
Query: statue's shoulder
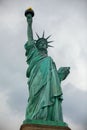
[30,48]
[50,59]
[29,45]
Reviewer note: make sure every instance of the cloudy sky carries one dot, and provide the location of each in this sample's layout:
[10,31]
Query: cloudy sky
[66,20]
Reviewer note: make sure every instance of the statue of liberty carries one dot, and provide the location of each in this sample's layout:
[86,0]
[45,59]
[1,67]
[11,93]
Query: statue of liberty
[44,80]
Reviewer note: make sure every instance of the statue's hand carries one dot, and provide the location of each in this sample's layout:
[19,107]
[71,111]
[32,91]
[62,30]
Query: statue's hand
[63,72]
[29,19]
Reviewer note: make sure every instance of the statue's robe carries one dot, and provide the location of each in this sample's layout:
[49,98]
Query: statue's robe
[45,94]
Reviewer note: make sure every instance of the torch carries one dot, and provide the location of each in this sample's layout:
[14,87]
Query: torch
[29,11]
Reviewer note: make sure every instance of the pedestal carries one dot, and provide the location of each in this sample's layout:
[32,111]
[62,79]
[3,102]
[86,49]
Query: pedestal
[42,127]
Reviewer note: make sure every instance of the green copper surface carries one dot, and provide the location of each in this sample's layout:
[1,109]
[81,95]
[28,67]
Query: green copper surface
[44,83]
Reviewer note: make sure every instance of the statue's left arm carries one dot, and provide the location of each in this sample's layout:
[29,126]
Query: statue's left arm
[63,73]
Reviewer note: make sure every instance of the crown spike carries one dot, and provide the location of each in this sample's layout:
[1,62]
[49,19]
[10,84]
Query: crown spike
[37,35]
[50,41]
[43,34]
[48,37]
[50,46]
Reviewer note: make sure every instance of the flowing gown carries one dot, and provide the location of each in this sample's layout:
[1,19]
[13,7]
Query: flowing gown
[45,94]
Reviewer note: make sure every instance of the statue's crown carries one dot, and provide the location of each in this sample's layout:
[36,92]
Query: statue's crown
[40,39]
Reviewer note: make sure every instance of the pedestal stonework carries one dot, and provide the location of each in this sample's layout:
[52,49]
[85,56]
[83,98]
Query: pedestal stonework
[42,127]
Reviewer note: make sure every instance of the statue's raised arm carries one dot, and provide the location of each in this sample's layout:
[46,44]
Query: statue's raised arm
[29,13]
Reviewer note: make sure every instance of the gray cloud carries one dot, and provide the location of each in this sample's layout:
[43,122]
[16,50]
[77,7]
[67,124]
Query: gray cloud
[67,22]
[18,100]
[75,104]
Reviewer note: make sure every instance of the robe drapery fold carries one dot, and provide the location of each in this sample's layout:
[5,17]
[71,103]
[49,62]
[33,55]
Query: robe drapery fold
[45,94]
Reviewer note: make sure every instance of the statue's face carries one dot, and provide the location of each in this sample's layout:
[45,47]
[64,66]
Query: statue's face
[29,18]
[42,44]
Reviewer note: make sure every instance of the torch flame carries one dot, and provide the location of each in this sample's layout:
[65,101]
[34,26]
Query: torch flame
[30,8]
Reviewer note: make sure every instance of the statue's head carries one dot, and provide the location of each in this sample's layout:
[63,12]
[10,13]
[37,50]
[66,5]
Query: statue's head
[42,43]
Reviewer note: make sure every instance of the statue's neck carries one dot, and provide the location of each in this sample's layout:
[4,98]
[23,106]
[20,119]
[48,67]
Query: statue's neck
[43,52]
